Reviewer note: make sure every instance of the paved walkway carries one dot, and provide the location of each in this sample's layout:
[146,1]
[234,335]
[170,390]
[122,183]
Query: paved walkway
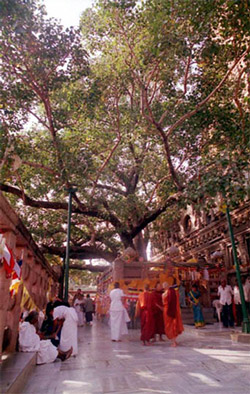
[198,365]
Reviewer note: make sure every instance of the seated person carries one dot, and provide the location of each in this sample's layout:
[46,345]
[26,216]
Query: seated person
[29,341]
[50,328]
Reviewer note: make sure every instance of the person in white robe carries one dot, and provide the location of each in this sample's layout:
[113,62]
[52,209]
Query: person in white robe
[29,341]
[68,336]
[78,305]
[118,314]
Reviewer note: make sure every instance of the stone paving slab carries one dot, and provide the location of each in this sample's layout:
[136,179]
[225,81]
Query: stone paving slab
[205,365]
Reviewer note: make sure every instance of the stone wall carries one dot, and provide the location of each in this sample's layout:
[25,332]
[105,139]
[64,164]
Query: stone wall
[37,275]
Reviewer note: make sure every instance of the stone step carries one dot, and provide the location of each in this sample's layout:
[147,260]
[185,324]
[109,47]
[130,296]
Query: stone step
[15,370]
[187,315]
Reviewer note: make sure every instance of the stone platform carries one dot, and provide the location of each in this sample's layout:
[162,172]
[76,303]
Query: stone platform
[15,370]
[200,364]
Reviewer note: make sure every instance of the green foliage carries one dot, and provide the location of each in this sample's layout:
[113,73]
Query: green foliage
[104,120]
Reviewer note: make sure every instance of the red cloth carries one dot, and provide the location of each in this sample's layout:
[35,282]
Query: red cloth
[157,312]
[8,261]
[144,304]
[171,296]
[173,325]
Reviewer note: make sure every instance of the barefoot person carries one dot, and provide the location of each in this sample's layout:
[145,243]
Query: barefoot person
[29,341]
[118,314]
[158,312]
[194,297]
[144,309]
[171,313]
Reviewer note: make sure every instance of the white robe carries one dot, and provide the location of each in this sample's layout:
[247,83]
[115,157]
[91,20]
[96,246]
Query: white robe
[69,329]
[118,315]
[78,308]
[29,341]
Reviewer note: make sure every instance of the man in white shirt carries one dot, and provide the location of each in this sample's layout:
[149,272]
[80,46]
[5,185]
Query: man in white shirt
[225,293]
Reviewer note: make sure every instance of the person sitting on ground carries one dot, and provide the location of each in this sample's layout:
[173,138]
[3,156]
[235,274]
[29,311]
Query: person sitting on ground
[68,337]
[29,341]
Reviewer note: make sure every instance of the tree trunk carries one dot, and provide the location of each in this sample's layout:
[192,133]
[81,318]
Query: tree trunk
[140,244]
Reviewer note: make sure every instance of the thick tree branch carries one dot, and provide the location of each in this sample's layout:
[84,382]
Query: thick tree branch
[104,216]
[80,253]
[150,217]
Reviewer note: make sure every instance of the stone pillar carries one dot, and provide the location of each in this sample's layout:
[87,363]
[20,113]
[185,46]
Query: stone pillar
[4,287]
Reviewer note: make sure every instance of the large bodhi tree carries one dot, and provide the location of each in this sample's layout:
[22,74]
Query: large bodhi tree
[155,117]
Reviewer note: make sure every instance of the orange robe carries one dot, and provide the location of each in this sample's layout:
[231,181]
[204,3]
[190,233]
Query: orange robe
[158,313]
[145,308]
[173,326]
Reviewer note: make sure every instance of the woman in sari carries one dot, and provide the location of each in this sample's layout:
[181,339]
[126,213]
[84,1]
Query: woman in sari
[194,296]
[172,313]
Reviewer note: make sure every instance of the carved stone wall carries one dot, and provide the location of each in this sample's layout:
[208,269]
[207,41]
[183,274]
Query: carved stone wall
[201,235]
[36,273]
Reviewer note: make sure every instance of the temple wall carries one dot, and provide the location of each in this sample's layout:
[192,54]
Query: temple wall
[37,277]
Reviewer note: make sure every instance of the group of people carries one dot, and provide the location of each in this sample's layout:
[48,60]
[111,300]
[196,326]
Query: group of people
[159,313]
[84,308]
[229,308]
[55,338]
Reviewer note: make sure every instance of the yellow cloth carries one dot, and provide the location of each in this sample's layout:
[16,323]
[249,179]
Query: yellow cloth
[27,302]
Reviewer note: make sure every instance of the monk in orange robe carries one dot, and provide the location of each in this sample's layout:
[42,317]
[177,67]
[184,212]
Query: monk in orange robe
[144,309]
[158,311]
[172,313]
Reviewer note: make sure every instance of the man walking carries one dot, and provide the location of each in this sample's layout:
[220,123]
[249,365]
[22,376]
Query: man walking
[89,309]
[225,293]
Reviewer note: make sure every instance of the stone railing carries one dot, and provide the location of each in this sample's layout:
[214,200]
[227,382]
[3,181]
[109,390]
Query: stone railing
[38,279]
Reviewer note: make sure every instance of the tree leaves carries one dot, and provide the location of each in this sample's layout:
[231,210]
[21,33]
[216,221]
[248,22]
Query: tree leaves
[153,116]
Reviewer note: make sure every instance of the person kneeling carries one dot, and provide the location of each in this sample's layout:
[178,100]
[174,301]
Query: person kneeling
[29,341]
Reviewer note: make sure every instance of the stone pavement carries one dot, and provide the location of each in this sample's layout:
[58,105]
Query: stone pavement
[198,365]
